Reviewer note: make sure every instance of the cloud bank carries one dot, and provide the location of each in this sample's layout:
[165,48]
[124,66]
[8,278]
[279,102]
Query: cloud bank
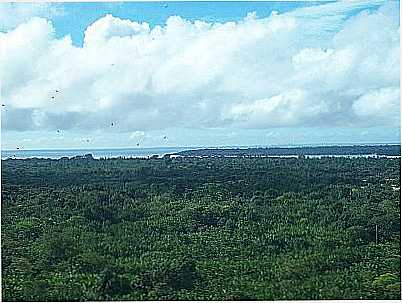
[317,66]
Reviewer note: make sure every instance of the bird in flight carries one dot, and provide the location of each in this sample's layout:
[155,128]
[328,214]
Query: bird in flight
[57,91]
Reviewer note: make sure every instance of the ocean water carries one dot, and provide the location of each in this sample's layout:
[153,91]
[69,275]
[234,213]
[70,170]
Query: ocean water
[96,153]
[131,153]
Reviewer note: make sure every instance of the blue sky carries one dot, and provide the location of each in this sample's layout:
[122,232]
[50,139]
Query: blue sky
[98,75]
[77,16]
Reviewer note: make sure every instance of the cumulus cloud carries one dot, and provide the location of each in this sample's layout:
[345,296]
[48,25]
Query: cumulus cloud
[316,66]
[13,14]
[378,104]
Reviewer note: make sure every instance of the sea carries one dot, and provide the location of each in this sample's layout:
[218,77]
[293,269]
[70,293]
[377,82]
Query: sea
[96,153]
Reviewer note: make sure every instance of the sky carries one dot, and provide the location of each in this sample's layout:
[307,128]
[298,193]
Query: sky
[199,74]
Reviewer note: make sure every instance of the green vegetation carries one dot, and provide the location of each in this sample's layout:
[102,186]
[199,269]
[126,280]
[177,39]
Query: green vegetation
[200,229]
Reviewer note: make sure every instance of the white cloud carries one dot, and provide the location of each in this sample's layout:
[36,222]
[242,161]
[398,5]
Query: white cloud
[280,110]
[379,104]
[137,135]
[310,67]
[108,28]
[13,14]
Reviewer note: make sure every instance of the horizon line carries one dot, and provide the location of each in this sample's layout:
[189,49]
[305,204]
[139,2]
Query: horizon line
[209,147]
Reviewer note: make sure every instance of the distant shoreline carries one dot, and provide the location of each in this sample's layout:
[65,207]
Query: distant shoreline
[336,150]
[384,150]
[208,147]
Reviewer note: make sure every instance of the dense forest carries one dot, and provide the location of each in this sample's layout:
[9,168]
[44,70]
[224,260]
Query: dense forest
[380,150]
[200,229]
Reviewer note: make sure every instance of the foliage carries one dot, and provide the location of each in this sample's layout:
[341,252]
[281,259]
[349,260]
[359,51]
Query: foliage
[200,229]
